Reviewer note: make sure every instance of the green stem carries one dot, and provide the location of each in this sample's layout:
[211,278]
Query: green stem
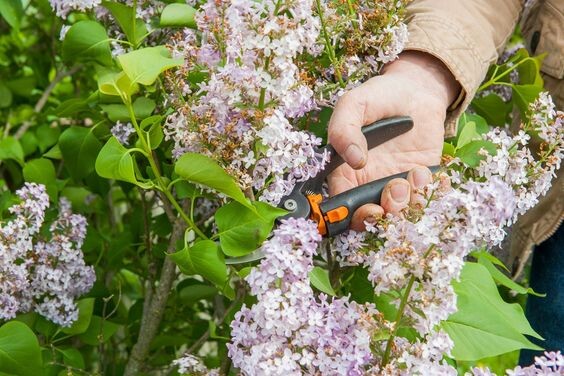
[263,90]
[329,46]
[493,80]
[133,21]
[400,313]
[399,316]
[160,183]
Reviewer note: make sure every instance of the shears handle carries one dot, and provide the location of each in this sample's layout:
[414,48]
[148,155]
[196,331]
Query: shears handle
[349,201]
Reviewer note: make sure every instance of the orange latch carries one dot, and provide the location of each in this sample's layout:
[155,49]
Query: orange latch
[316,215]
[332,216]
[337,214]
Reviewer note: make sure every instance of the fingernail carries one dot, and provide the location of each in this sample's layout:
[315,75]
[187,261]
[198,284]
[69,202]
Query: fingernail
[354,156]
[421,177]
[399,192]
[373,218]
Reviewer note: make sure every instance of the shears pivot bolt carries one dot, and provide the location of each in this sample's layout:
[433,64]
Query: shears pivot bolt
[290,204]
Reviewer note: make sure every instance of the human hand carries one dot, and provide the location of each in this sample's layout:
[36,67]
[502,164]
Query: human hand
[417,85]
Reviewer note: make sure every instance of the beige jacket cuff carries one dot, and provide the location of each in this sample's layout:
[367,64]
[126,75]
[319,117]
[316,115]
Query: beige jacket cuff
[465,51]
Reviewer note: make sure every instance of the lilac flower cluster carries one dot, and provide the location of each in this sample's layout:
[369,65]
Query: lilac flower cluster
[122,132]
[255,58]
[369,37]
[44,275]
[424,251]
[240,114]
[63,7]
[193,366]
[289,331]
[551,364]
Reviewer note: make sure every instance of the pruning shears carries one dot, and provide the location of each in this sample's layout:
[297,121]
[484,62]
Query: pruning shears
[333,214]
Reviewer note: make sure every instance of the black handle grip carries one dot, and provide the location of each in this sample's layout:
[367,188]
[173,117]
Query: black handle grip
[376,134]
[355,198]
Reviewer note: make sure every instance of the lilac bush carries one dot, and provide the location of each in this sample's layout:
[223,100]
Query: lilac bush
[175,129]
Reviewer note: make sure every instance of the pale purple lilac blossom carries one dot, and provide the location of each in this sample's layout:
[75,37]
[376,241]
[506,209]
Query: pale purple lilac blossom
[43,275]
[63,7]
[122,132]
[191,365]
[289,331]
[431,249]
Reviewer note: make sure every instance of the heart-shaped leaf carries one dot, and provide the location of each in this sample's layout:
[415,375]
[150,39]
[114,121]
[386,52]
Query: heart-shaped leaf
[87,40]
[20,353]
[203,170]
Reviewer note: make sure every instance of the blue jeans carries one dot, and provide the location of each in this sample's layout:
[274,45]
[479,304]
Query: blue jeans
[546,315]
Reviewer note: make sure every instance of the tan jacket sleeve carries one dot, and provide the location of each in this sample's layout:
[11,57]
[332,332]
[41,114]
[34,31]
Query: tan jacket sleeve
[466,35]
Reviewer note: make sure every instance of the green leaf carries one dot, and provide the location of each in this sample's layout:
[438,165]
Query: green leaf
[473,343]
[525,94]
[145,65]
[194,293]
[448,149]
[242,230]
[111,82]
[47,136]
[10,148]
[484,259]
[5,96]
[115,162]
[99,331]
[142,107]
[20,353]
[484,324]
[54,153]
[469,152]
[22,86]
[79,148]
[480,123]
[85,309]
[133,28]
[42,171]
[204,258]
[179,15]
[529,69]
[12,11]
[87,41]
[155,133]
[201,169]
[319,278]
[73,358]
[468,133]
[492,108]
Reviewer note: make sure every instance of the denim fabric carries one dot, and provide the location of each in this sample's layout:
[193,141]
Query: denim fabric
[546,315]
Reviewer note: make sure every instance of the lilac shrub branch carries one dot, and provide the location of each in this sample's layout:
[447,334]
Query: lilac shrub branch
[153,316]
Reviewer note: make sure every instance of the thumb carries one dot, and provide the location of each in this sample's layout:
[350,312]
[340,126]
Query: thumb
[344,129]
[358,107]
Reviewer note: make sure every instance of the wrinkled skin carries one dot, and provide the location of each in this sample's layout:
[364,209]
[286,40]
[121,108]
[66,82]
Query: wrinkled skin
[418,85]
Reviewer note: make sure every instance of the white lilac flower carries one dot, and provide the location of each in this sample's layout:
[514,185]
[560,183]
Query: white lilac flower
[63,7]
[226,116]
[398,36]
[44,275]
[191,365]
[289,331]
[122,132]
